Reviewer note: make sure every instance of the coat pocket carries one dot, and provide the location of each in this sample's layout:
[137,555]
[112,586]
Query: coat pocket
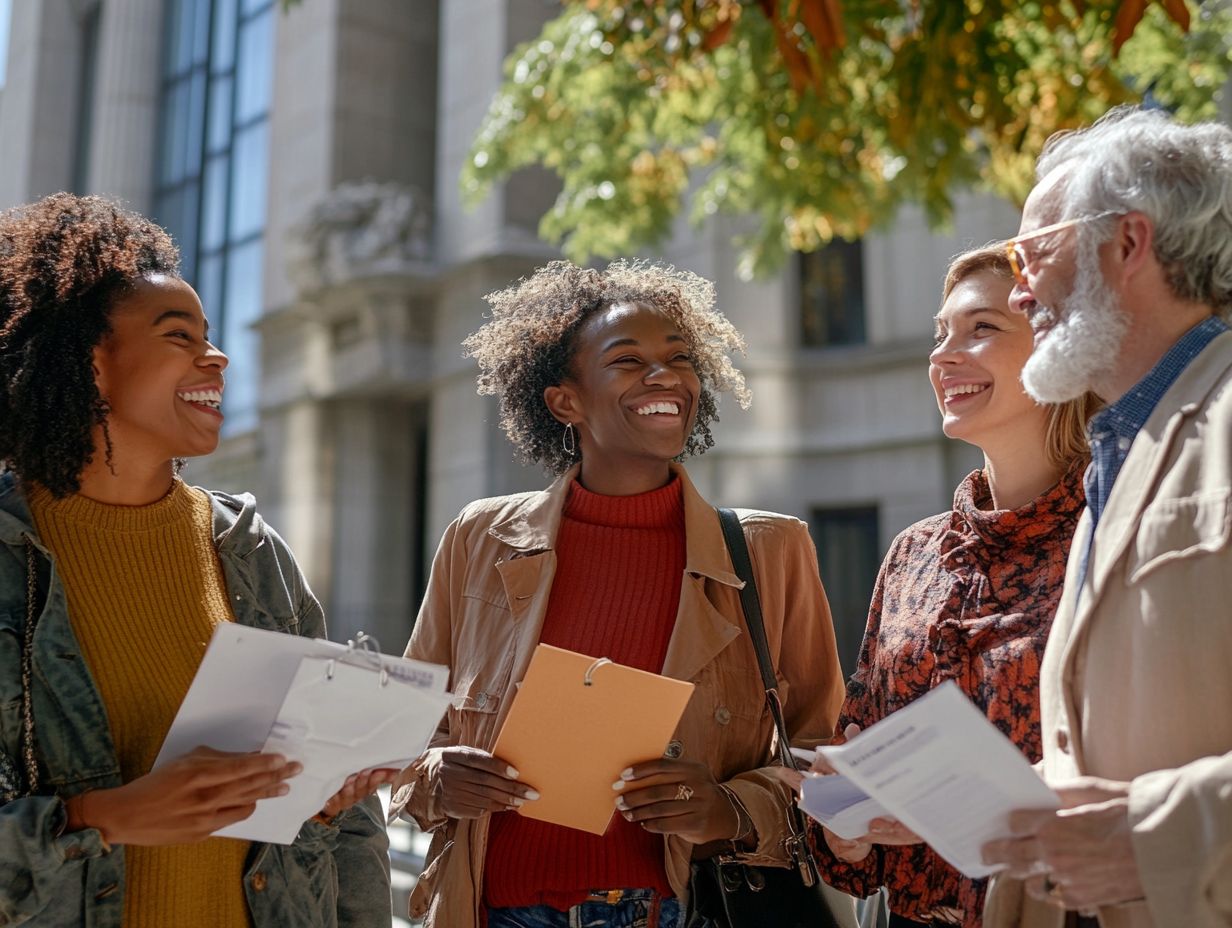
[1173,529]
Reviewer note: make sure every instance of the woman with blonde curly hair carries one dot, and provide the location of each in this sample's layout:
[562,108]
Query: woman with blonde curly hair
[607,379]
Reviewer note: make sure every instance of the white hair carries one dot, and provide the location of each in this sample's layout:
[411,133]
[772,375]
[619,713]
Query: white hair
[1179,176]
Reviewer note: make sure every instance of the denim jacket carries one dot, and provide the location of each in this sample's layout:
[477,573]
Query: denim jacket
[332,875]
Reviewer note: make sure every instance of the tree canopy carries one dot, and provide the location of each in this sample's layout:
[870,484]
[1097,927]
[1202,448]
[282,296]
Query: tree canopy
[819,118]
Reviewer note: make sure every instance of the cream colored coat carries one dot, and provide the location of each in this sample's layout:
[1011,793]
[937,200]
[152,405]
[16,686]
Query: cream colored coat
[1137,677]
[482,616]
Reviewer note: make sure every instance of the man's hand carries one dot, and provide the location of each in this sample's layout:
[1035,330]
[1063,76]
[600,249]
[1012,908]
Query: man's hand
[1080,856]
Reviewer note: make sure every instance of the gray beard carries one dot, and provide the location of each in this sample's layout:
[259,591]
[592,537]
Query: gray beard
[1081,347]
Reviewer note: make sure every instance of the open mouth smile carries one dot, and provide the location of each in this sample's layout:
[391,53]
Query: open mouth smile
[208,399]
[659,409]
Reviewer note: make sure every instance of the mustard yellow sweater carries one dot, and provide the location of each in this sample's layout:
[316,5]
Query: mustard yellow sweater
[145,591]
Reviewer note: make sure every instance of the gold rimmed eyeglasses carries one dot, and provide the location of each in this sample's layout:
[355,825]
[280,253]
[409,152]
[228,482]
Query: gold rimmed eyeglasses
[1018,257]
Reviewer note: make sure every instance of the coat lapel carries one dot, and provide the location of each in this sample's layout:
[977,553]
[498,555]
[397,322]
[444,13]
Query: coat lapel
[1135,488]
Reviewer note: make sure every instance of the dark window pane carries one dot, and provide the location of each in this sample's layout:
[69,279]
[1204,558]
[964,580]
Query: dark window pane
[214,204]
[832,295]
[249,166]
[242,303]
[173,62]
[175,133]
[220,113]
[208,283]
[254,68]
[201,31]
[186,235]
[196,124]
[222,55]
[849,552]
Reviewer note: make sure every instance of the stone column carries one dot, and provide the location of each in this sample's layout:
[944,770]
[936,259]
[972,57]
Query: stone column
[38,121]
[124,130]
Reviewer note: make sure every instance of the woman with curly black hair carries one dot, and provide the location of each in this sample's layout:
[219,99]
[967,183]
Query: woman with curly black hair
[607,379]
[113,573]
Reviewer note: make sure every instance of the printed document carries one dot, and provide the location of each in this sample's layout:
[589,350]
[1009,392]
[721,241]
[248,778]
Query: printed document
[335,710]
[947,773]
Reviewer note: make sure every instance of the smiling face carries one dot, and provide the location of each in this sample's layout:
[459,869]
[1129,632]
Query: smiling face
[977,362]
[632,395]
[1076,317]
[161,378]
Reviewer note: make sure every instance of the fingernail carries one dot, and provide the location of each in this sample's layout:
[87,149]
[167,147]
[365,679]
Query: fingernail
[283,789]
[531,794]
[294,768]
[621,804]
[516,803]
[512,773]
[619,784]
[628,816]
[627,773]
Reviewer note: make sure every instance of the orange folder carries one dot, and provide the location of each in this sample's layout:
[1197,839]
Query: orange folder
[575,723]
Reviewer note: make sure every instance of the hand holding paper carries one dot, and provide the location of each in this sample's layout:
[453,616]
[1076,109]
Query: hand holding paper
[474,783]
[184,801]
[672,797]
[330,708]
[945,772]
[576,723]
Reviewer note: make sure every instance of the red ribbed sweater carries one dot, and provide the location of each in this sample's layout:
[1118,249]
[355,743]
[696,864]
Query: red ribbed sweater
[619,565]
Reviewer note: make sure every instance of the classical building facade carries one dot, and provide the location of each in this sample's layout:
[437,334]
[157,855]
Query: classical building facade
[307,162]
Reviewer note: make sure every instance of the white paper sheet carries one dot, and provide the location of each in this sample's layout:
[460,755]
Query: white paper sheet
[260,690]
[943,770]
[840,805]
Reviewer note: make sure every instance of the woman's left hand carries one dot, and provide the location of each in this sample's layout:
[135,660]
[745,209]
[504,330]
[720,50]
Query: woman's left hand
[889,831]
[356,787]
[674,797]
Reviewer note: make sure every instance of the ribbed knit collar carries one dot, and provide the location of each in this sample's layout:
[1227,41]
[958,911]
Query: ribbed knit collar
[661,508]
[176,506]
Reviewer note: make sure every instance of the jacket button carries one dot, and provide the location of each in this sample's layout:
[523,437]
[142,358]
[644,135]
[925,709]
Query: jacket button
[258,882]
[674,750]
[722,715]
[1063,741]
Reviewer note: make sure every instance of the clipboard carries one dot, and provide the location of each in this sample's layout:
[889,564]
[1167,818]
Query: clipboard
[575,723]
[335,708]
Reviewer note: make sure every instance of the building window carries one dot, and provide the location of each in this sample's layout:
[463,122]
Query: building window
[6,11]
[832,295]
[849,551]
[212,168]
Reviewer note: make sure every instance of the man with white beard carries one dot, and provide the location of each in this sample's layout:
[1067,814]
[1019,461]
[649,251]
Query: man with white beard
[1124,267]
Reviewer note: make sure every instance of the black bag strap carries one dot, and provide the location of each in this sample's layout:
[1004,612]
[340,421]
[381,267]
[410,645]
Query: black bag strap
[738,548]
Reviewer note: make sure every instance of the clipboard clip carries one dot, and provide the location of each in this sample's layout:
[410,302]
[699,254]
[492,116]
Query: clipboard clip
[587,677]
[362,650]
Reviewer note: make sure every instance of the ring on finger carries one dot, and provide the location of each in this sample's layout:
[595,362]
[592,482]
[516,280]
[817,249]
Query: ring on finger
[684,792]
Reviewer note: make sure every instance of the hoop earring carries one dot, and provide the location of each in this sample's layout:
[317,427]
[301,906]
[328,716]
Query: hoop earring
[568,440]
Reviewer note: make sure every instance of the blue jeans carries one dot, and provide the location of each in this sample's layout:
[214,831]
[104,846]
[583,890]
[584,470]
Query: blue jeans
[636,908]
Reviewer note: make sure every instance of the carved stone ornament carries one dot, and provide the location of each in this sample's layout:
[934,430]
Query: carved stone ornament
[361,229]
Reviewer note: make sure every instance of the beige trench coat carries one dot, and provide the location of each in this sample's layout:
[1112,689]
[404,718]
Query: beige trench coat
[1137,677]
[482,616]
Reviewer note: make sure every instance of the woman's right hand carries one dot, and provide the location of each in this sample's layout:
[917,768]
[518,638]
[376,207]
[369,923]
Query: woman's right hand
[472,782]
[851,852]
[185,801]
